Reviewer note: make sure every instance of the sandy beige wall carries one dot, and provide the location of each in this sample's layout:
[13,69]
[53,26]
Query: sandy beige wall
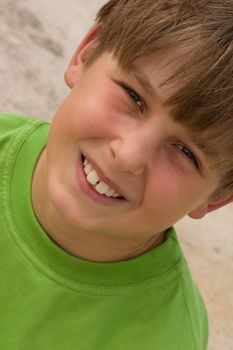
[37,39]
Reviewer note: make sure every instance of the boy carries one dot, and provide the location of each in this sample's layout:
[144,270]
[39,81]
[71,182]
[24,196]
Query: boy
[90,259]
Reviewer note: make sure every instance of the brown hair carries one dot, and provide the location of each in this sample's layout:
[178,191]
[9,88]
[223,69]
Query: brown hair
[132,29]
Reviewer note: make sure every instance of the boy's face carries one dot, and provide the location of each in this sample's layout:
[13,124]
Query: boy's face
[128,138]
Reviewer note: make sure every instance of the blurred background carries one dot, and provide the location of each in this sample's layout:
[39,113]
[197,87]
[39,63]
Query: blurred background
[37,40]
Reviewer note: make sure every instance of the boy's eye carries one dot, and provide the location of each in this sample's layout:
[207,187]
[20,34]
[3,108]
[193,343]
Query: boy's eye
[189,154]
[135,97]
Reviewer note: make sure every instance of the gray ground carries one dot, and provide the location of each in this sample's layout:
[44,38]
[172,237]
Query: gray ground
[37,39]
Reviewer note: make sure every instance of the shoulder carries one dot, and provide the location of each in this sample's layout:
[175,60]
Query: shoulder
[13,124]
[195,312]
[178,314]
[10,121]
[14,128]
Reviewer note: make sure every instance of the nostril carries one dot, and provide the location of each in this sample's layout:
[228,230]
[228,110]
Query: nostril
[113,154]
[115,147]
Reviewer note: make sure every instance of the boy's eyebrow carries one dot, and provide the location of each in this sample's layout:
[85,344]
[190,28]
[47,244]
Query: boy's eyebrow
[143,80]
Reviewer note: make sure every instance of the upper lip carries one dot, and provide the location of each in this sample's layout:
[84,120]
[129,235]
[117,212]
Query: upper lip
[103,177]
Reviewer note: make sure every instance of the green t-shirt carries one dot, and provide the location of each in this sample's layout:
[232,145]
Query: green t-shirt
[52,300]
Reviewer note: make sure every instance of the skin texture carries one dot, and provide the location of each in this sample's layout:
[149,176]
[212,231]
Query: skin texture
[136,145]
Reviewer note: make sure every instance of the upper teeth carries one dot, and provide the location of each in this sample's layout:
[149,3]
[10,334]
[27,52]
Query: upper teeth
[100,186]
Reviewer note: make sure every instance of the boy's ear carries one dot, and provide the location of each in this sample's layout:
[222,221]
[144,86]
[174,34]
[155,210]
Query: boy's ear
[77,62]
[205,208]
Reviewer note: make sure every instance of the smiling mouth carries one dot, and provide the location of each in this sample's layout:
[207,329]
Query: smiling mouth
[97,184]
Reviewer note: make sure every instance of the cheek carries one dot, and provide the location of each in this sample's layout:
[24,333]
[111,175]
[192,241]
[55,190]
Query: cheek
[172,191]
[93,116]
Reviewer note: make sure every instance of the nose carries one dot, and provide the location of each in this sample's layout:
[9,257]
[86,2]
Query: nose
[134,151]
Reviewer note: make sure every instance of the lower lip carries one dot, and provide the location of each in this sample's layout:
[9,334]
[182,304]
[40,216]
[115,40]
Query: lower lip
[90,191]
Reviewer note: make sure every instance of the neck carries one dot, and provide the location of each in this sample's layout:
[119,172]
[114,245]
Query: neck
[85,245]
[89,246]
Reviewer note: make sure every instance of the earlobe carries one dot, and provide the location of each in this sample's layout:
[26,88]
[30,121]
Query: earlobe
[199,212]
[208,207]
[77,62]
